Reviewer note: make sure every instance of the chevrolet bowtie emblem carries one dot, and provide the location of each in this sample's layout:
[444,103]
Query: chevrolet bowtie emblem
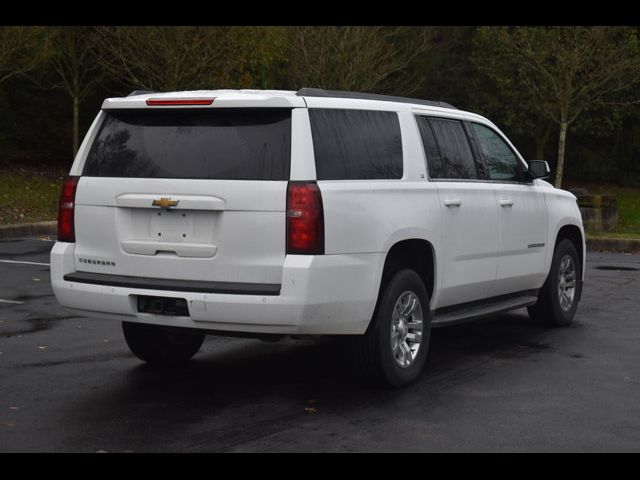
[165,203]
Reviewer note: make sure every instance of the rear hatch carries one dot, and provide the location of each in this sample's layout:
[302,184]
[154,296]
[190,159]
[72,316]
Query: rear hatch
[185,193]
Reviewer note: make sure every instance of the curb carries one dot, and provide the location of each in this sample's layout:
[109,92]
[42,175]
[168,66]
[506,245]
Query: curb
[26,229]
[625,245]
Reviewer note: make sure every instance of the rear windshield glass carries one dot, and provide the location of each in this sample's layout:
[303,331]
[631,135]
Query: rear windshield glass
[225,144]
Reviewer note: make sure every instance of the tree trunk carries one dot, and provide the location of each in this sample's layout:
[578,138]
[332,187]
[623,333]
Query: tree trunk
[561,145]
[75,124]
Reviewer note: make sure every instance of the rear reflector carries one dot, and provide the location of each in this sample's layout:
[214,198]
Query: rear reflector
[305,219]
[179,101]
[66,210]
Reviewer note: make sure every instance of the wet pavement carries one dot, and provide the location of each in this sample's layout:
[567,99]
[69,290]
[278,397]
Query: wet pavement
[505,384]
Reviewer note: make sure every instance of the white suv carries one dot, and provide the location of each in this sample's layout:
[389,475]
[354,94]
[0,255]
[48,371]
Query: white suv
[308,213]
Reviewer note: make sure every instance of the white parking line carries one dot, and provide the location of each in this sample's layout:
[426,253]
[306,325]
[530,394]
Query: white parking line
[11,301]
[26,263]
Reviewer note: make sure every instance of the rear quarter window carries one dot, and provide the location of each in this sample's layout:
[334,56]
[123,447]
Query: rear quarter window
[225,144]
[356,144]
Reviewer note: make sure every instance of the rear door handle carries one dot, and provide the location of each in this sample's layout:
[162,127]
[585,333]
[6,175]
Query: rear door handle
[506,203]
[453,202]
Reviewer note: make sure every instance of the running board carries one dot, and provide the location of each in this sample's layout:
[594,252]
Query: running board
[474,310]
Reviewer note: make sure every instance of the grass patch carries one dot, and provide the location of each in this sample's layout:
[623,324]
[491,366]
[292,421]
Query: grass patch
[623,236]
[29,194]
[628,207]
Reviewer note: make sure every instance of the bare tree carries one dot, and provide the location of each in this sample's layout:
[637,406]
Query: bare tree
[75,64]
[365,58]
[22,49]
[178,58]
[566,70]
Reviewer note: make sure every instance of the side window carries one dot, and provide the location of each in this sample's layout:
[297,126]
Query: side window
[434,159]
[356,144]
[454,147]
[501,160]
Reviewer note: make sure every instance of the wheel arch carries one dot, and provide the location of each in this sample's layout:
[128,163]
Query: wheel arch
[416,253]
[575,234]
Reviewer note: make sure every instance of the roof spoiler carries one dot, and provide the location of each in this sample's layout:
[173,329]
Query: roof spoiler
[141,92]
[319,92]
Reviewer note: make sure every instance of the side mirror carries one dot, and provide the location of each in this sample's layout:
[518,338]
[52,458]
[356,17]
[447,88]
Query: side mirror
[538,169]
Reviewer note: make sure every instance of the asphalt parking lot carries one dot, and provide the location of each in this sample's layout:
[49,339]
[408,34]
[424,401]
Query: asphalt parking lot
[70,384]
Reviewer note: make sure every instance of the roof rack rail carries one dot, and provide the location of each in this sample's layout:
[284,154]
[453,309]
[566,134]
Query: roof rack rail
[140,92]
[319,92]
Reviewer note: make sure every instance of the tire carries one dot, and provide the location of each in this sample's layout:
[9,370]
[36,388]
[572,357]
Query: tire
[551,309]
[159,345]
[376,360]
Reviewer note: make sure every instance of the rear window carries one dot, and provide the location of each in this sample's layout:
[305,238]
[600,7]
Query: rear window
[454,148]
[434,159]
[356,144]
[225,144]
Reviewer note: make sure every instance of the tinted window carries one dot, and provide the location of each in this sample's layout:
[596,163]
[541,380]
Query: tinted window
[250,144]
[356,144]
[502,162]
[434,160]
[454,148]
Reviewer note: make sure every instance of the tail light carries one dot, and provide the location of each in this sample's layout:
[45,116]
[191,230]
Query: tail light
[66,210]
[305,219]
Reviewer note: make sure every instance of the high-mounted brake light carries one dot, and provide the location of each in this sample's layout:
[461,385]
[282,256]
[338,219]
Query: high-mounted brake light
[66,210]
[305,219]
[179,101]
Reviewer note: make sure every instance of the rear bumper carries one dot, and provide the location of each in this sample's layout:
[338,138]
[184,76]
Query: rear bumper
[324,295]
[173,285]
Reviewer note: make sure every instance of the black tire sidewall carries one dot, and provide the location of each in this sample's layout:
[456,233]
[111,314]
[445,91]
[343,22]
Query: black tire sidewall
[160,345]
[565,247]
[392,373]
